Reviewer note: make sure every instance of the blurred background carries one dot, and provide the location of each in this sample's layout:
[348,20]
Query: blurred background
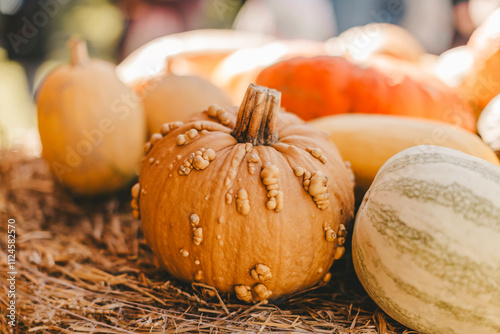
[33,33]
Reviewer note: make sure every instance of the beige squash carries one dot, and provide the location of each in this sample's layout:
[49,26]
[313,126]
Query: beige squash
[425,241]
[368,141]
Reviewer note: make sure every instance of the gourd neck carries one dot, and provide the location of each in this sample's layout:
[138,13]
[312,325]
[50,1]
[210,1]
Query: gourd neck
[78,51]
[257,116]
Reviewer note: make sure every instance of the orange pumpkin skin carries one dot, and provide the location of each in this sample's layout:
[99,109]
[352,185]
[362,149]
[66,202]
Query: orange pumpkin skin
[235,72]
[320,86]
[482,82]
[214,210]
[312,87]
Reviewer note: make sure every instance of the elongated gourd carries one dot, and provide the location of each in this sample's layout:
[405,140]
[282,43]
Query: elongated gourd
[368,141]
[426,241]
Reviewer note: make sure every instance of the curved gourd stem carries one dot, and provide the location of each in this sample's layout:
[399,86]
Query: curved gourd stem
[257,117]
[78,51]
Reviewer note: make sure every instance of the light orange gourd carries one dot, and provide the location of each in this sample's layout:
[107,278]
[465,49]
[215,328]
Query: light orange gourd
[92,126]
[252,202]
[171,97]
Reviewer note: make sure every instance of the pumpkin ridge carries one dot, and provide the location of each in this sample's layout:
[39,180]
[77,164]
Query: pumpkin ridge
[235,153]
[265,154]
[310,164]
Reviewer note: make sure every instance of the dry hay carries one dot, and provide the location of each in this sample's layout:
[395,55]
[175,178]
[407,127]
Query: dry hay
[83,267]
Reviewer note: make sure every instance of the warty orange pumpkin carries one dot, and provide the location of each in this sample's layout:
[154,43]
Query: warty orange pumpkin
[249,201]
[91,125]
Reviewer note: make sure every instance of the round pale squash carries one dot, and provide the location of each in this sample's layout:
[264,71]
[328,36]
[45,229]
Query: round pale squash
[426,241]
[173,97]
[91,125]
[368,141]
[482,83]
[249,201]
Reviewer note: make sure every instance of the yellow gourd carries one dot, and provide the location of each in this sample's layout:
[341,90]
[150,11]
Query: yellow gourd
[92,126]
[368,141]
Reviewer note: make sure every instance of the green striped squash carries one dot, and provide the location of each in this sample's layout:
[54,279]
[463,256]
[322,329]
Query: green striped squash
[426,241]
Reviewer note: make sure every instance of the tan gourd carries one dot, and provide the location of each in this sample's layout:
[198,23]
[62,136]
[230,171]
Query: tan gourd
[172,97]
[92,126]
[368,141]
[252,202]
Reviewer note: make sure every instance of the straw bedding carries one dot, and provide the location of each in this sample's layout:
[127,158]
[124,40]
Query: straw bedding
[83,267]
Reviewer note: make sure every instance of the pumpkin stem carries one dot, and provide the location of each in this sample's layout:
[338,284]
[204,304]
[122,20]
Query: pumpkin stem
[78,53]
[257,116]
